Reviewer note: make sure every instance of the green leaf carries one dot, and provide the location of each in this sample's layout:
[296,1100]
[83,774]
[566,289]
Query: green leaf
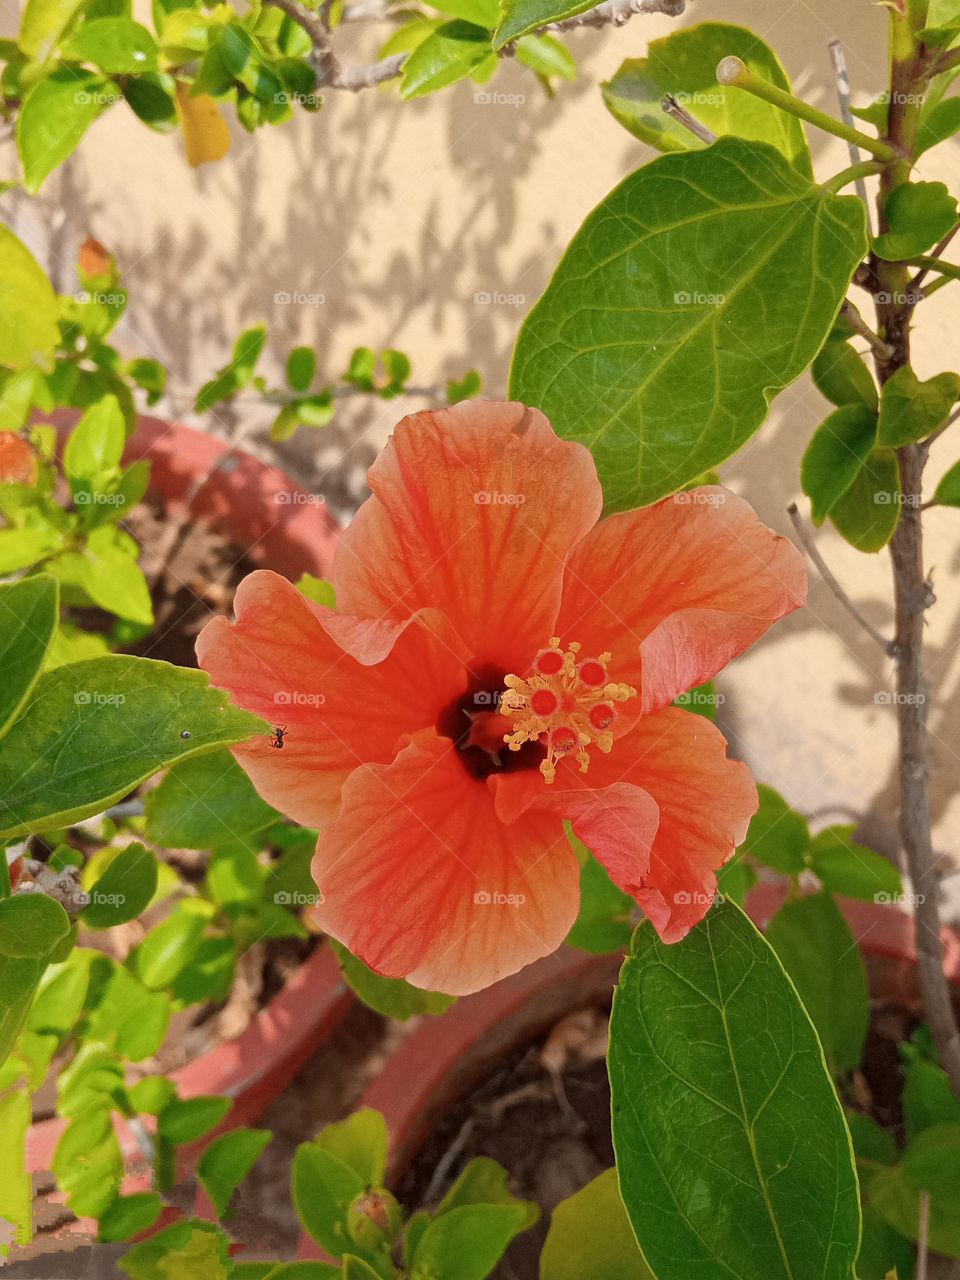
[646,345]
[301,367]
[942,21]
[204,803]
[60,996]
[467,1243]
[95,445]
[55,115]
[128,1016]
[590,1235]
[928,1098]
[841,375]
[314,411]
[483,1181]
[208,974]
[360,1141]
[28,620]
[31,925]
[947,492]
[393,997]
[835,456]
[88,1164]
[28,307]
[129,1216]
[94,730]
[546,56]
[42,24]
[930,1163]
[522,16]
[450,54]
[917,215]
[604,921]
[18,982]
[465,388]
[323,1187]
[733,1155]
[237,374]
[911,410]
[317,589]
[169,945]
[124,890]
[151,1094]
[867,513]
[227,1161]
[193,1250]
[16,1187]
[482,13]
[777,836]
[151,99]
[188,1119]
[22,547]
[116,45]
[818,951]
[848,868]
[107,572]
[684,64]
[939,121]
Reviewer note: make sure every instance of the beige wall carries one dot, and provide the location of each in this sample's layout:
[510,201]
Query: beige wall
[398,214]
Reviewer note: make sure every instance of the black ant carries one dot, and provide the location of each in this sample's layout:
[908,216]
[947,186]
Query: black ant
[279,733]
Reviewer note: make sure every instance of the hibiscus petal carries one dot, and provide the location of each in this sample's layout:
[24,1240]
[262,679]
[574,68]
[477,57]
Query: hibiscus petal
[348,692]
[421,880]
[474,511]
[663,812]
[674,591]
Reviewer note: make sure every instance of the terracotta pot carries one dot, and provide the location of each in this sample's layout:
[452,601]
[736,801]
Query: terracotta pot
[281,527]
[446,1056]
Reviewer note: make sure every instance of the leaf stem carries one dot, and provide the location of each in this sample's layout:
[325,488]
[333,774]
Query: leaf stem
[671,107]
[854,173]
[930,263]
[733,71]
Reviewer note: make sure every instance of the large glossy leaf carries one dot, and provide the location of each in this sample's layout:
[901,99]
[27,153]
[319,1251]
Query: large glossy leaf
[28,307]
[684,64]
[647,346]
[733,1153]
[93,730]
[28,620]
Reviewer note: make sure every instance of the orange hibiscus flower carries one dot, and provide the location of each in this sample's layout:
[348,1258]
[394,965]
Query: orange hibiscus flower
[18,462]
[499,664]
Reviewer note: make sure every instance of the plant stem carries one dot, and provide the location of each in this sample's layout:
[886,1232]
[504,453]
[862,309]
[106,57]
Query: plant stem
[855,173]
[671,107]
[843,97]
[929,263]
[734,71]
[912,591]
[856,321]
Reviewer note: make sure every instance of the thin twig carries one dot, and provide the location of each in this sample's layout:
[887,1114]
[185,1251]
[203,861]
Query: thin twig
[923,1236]
[935,252]
[856,321]
[614,13]
[810,547]
[671,107]
[846,115]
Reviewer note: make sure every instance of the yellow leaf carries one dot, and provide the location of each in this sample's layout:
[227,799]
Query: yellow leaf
[205,132]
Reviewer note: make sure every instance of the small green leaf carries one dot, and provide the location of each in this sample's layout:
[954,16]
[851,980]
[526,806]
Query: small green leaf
[684,64]
[836,455]
[393,997]
[42,24]
[193,1250]
[16,1188]
[942,21]
[323,1187]
[482,13]
[151,98]
[467,1243]
[237,374]
[115,45]
[31,925]
[128,1016]
[930,1163]
[317,589]
[60,996]
[711,1052]
[227,1161]
[28,307]
[88,1164]
[928,1098]
[841,374]
[947,492]
[284,424]
[93,730]
[777,836]
[518,17]
[911,410]
[605,920]
[483,1181]
[546,56]
[169,945]
[124,890]
[465,388]
[818,951]
[450,54]
[55,115]
[590,1235]
[917,215]
[95,445]
[360,1141]
[204,803]
[845,867]
[188,1119]
[645,346]
[28,621]
[314,411]
[867,512]
[129,1216]
[301,367]
[939,121]
[208,974]
[150,1095]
